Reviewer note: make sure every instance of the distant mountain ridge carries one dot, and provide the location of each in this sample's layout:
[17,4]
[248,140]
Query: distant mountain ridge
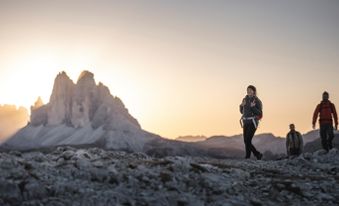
[266,142]
[191,138]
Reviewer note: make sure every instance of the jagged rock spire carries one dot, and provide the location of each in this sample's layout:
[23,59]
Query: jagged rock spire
[80,104]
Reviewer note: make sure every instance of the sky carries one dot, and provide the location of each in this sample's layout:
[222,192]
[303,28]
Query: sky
[181,66]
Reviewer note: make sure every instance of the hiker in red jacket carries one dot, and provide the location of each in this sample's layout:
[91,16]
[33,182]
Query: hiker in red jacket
[326,112]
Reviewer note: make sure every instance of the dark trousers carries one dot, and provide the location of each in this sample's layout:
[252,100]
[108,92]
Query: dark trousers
[249,131]
[295,152]
[327,135]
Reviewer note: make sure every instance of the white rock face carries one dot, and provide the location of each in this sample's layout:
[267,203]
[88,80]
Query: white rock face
[81,113]
[59,106]
[78,105]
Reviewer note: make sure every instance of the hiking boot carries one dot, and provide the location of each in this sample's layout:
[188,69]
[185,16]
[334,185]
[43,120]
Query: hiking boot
[259,156]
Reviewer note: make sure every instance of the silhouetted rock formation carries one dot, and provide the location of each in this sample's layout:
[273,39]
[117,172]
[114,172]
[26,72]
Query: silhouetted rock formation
[81,114]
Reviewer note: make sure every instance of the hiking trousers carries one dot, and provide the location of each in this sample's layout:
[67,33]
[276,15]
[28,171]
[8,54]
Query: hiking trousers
[294,152]
[249,130]
[327,136]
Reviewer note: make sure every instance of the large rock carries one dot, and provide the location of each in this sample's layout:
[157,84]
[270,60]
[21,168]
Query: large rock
[80,104]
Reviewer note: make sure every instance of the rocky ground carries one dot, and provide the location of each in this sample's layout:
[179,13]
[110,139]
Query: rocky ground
[69,176]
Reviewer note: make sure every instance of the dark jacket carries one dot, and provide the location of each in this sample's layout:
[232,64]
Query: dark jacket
[294,141]
[248,111]
[325,110]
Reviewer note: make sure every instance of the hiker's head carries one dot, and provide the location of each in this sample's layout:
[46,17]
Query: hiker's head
[292,127]
[251,91]
[326,96]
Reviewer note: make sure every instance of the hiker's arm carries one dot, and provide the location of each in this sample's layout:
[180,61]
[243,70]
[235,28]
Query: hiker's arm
[335,116]
[315,115]
[243,103]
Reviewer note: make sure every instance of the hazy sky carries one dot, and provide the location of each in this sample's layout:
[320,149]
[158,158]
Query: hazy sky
[181,67]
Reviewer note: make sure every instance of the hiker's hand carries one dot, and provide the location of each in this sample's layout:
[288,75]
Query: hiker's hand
[336,127]
[313,126]
[243,102]
[253,104]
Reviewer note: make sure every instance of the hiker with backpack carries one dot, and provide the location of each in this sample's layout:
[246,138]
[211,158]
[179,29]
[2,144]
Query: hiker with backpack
[251,110]
[326,112]
[294,142]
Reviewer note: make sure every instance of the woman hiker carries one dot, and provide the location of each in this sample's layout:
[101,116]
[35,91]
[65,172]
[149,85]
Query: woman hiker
[251,110]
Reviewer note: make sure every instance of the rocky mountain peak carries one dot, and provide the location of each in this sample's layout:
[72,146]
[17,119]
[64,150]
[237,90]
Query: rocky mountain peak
[38,103]
[81,104]
[62,86]
[86,76]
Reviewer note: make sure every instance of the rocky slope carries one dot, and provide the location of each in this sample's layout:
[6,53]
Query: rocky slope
[69,176]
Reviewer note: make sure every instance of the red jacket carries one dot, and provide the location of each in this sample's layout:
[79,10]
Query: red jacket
[325,110]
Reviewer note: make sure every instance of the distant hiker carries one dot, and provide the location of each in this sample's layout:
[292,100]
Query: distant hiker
[294,142]
[326,112]
[251,110]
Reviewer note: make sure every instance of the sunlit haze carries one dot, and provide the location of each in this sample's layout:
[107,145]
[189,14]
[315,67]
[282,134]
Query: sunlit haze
[180,67]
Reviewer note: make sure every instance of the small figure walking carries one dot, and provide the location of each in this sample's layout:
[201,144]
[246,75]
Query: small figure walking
[294,142]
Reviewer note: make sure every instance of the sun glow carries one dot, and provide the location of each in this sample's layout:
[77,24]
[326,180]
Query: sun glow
[36,76]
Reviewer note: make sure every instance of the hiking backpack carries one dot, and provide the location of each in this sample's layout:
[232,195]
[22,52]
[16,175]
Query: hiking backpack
[326,110]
